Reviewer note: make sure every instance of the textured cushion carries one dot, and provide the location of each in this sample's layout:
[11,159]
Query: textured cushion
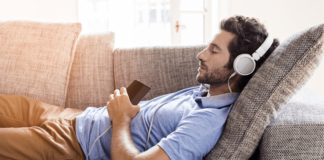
[91,80]
[164,69]
[298,131]
[278,79]
[36,59]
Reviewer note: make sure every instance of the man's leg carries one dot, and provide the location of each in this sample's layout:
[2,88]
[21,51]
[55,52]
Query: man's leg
[20,111]
[47,131]
[53,140]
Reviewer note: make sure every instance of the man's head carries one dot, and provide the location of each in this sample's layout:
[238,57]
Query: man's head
[237,35]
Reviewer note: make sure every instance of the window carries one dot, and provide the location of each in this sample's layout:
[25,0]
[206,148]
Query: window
[93,14]
[152,15]
[148,22]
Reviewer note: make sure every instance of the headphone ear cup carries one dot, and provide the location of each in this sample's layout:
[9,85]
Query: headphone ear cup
[244,64]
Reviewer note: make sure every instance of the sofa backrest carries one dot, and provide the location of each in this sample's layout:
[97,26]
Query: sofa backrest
[165,69]
[98,69]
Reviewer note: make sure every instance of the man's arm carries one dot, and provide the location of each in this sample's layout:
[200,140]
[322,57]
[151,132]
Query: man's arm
[122,147]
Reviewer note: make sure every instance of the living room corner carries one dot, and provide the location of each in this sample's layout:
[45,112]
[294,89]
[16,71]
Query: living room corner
[281,17]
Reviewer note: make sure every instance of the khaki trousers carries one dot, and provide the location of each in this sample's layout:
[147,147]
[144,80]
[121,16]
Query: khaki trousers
[31,129]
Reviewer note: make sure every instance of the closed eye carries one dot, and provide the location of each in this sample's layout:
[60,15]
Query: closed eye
[214,49]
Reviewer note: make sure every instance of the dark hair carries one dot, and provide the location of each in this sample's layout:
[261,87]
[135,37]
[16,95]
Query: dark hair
[250,34]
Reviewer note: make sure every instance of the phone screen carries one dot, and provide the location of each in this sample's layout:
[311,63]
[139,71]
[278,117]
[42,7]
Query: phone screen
[137,91]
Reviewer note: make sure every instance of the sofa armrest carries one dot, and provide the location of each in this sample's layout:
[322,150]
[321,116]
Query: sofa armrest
[298,131]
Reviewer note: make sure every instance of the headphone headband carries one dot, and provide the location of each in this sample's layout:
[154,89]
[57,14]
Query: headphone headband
[263,48]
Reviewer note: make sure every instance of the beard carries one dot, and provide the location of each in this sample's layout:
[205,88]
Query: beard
[217,76]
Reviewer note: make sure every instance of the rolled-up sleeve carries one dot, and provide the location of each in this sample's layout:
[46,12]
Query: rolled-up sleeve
[194,137]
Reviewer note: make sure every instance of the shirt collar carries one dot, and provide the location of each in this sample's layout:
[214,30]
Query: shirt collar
[214,101]
[204,87]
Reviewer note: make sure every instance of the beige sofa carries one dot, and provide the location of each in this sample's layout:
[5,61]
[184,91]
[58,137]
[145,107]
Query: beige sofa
[52,63]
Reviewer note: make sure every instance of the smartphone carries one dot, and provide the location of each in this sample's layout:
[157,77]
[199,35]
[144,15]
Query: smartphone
[137,91]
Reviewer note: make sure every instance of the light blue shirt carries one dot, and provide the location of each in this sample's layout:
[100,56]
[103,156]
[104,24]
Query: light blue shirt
[186,127]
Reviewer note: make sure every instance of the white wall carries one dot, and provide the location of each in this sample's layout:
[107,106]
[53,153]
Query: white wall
[56,10]
[283,18]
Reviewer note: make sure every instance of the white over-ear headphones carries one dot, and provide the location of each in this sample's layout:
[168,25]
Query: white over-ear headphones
[244,64]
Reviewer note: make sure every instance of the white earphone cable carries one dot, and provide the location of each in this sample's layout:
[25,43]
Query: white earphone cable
[151,124]
[149,132]
[97,139]
[229,87]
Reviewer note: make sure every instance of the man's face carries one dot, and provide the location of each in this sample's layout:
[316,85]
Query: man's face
[213,60]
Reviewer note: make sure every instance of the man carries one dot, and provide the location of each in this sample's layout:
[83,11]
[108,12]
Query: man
[187,124]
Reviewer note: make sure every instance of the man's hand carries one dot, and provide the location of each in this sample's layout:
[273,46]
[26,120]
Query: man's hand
[120,109]
[121,112]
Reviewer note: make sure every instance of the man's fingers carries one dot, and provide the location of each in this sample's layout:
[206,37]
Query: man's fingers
[137,107]
[123,90]
[111,97]
[117,92]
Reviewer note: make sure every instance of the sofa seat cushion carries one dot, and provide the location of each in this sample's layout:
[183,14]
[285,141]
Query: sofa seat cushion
[36,59]
[298,131]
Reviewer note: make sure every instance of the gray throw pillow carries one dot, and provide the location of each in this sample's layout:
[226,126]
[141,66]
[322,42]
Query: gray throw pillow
[279,78]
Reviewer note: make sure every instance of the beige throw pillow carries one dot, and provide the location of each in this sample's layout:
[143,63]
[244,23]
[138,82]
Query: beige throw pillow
[36,59]
[92,73]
